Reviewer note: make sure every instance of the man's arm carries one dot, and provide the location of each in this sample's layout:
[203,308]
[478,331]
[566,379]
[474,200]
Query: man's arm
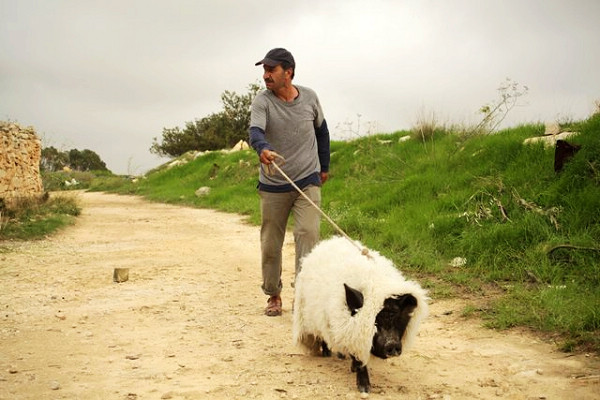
[258,141]
[260,145]
[323,149]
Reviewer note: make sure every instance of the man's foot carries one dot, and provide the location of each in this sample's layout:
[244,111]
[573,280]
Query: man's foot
[273,306]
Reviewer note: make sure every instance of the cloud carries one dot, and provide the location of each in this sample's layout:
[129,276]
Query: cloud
[109,75]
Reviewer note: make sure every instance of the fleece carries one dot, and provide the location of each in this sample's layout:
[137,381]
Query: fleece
[320,309]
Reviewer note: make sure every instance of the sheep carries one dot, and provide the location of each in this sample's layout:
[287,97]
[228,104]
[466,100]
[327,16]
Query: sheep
[355,304]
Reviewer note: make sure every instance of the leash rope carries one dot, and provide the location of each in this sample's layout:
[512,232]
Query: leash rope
[364,251]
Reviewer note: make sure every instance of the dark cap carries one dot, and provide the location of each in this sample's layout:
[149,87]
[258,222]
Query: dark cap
[277,56]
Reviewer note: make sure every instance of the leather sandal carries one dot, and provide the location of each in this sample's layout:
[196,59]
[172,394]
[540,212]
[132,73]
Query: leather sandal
[273,306]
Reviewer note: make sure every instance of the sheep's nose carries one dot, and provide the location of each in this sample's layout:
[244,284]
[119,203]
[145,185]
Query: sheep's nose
[393,349]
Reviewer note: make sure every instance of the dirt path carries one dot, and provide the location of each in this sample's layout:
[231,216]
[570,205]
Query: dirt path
[189,325]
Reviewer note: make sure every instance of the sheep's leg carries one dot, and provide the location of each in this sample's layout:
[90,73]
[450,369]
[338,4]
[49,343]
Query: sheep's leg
[325,349]
[362,376]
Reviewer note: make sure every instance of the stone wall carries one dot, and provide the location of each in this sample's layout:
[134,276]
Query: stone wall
[20,153]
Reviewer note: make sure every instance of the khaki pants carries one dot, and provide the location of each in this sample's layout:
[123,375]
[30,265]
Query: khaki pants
[275,209]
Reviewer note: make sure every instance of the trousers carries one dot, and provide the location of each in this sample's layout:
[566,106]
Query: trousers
[275,210]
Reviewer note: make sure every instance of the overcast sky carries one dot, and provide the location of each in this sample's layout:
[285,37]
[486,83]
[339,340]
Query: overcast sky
[108,75]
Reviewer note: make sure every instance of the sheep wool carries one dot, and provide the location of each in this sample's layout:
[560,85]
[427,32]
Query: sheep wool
[320,309]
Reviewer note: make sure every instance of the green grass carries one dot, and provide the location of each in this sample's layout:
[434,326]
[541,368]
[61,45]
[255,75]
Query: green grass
[70,180]
[486,198]
[31,219]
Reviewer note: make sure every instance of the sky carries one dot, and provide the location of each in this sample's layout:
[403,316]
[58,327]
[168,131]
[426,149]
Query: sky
[109,75]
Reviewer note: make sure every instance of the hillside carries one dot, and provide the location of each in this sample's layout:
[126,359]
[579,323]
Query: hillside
[482,217]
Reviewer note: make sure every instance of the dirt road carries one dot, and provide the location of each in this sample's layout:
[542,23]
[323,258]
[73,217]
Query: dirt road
[189,323]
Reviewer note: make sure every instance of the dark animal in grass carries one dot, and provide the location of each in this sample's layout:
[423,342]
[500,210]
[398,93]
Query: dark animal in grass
[563,152]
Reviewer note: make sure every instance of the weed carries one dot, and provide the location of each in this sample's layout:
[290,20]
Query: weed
[426,126]
[495,112]
[34,219]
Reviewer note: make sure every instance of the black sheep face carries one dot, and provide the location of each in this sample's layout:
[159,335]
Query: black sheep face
[391,323]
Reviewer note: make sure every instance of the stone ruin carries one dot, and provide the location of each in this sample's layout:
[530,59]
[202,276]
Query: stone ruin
[20,154]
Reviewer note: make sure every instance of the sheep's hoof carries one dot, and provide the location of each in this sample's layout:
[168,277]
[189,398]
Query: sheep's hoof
[325,350]
[362,376]
[364,390]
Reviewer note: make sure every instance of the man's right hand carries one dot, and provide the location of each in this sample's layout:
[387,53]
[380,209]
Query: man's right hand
[267,156]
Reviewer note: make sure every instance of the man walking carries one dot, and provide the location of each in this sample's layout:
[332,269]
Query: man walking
[287,127]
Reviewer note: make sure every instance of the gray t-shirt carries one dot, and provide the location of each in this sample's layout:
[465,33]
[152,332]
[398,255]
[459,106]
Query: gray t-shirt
[290,130]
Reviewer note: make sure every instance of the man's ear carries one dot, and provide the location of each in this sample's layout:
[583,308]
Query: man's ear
[354,299]
[290,72]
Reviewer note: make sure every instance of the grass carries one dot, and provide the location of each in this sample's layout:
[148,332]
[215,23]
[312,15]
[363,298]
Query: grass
[34,219]
[70,180]
[529,235]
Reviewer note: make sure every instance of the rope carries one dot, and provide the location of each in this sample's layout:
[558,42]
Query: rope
[363,250]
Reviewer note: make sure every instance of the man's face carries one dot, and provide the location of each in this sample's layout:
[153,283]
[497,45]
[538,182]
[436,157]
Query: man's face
[274,77]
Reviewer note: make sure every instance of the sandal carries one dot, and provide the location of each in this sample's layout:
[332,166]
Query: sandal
[273,306]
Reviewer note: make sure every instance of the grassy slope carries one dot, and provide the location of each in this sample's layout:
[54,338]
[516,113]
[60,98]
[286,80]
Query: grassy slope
[488,199]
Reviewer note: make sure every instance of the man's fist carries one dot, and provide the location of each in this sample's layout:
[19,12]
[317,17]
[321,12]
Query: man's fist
[268,156]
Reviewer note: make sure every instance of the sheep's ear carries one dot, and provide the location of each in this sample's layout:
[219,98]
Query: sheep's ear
[407,301]
[354,299]
[404,303]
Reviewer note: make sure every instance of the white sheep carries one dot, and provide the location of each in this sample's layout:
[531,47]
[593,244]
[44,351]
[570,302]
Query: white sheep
[355,304]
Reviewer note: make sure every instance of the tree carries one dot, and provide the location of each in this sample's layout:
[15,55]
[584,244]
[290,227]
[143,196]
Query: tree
[53,159]
[237,111]
[175,142]
[86,160]
[216,131]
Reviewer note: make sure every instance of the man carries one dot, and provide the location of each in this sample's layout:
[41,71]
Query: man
[287,127]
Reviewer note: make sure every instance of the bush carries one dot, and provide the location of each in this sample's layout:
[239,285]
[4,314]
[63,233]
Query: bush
[34,219]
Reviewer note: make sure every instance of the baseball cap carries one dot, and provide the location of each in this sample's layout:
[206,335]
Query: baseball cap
[277,56]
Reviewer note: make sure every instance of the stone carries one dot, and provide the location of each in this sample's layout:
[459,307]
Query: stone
[121,275]
[241,145]
[458,262]
[20,155]
[203,191]
[552,128]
